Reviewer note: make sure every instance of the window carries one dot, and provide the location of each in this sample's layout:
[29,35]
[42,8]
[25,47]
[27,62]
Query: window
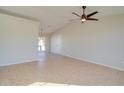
[41,44]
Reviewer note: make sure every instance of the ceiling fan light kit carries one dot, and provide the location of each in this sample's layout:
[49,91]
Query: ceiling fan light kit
[83,20]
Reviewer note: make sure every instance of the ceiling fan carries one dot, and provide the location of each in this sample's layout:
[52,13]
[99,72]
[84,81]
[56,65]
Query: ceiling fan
[85,17]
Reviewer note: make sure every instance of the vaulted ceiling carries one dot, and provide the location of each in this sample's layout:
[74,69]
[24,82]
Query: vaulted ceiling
[54,17]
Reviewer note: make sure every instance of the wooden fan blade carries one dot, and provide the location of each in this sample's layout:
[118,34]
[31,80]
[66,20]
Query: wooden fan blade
[91,14]
[76,14]
[93,19]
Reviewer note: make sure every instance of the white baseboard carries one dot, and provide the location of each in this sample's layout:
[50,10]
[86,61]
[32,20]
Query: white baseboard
[26,61]
[90,61]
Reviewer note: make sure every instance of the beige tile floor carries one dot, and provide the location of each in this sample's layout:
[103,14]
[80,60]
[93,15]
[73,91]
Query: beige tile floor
[54,69]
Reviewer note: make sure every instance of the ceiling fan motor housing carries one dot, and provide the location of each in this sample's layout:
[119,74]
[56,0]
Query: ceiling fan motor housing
[83,7]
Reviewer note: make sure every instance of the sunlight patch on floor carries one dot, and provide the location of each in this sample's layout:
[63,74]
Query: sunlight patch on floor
[48,84]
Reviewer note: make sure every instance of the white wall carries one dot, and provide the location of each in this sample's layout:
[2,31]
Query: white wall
[18,40]
[101,42]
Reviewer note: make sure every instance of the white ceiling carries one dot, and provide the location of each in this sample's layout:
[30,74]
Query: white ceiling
[54,17]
